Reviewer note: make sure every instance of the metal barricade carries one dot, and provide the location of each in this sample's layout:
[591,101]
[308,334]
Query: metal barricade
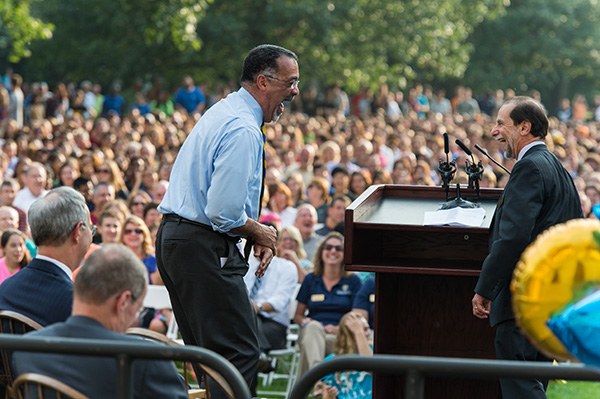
[125,352]
[416,368]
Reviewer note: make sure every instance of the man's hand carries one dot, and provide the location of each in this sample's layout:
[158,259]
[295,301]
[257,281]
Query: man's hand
[266,236]
[265,256]
[481,306]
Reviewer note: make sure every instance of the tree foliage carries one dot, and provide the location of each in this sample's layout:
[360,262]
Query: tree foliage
[353,41]
[538,44]
[115,39]
[18,28]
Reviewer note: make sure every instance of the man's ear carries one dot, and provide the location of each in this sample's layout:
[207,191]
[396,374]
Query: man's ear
[76,233]
[122,300]
[525,127]
[261,82]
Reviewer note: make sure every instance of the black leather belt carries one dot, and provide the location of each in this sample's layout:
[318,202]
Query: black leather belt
[173,217]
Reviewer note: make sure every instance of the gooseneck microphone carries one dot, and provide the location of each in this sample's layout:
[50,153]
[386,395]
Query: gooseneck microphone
[484,152]
[474,170]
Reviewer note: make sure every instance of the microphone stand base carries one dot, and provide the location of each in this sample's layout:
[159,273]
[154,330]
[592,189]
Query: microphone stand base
[459,203]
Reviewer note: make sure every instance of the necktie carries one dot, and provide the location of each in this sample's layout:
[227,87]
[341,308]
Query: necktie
[255,287]
[250,240]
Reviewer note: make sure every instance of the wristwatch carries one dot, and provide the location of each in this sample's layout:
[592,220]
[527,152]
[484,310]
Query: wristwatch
[260,309]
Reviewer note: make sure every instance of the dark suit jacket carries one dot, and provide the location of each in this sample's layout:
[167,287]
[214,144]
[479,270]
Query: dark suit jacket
[539,194]
[40,291]
[96,377]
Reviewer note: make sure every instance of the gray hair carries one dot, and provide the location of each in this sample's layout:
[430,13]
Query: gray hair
[53,217]
[109,271]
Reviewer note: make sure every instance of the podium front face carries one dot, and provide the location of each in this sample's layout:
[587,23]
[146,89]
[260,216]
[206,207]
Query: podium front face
[425,276]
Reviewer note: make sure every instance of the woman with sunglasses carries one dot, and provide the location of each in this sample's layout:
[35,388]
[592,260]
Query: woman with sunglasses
[327,293]
[137,203]
[109,172]
[136,236]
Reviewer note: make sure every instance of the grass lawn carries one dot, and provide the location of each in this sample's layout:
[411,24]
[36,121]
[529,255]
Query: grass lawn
[573,390]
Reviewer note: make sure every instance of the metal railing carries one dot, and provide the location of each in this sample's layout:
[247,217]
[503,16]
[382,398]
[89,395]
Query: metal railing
[125,352]
[416,368]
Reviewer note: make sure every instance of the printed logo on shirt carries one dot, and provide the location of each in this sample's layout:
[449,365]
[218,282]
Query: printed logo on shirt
[344,290]
[317,298]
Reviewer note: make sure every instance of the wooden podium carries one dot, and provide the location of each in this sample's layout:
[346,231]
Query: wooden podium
[425,276]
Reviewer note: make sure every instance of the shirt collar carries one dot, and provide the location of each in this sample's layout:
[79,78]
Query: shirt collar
[254,106]
[527,147]
[61,265]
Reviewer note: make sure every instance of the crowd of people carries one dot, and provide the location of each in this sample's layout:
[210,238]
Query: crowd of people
[118,149]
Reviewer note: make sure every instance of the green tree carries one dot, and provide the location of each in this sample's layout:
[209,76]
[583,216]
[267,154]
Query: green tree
[105,40]
[18,28]
[352,41]
[538,44]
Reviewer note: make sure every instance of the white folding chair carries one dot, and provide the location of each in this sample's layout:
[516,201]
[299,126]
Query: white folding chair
[157,297]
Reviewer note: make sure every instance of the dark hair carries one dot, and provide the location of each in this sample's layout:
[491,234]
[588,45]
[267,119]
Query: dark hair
[14,232]
[340,169]
[527,109]
[263,58]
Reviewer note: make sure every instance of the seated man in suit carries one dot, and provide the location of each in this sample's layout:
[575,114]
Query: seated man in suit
[108,291]
[62,230]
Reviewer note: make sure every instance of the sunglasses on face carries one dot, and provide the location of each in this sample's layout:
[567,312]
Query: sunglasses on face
[131,231]
[328,247]
[138,203]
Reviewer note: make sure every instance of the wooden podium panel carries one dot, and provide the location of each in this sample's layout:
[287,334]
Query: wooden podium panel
[425,276]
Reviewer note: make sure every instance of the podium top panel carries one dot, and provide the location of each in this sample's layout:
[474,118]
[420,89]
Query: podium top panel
[406,205]
[411,211]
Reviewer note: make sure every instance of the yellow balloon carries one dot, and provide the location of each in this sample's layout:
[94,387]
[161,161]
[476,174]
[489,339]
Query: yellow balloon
[549,273]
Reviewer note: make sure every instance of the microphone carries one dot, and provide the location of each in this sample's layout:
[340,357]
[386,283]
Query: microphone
[484,152]
[446,150]
[473,170]
[465,149]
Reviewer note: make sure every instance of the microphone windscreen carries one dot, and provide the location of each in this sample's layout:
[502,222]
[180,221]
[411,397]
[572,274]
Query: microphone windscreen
[446,149]
[464,147]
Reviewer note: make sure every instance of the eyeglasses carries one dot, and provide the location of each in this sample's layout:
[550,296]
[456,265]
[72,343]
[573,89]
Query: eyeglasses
[131,231]
[329,247]
[291,85]
[94,228]
[137,203]
[103,171]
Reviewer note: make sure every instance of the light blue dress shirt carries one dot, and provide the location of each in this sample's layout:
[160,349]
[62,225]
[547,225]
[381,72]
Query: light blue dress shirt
[217,176]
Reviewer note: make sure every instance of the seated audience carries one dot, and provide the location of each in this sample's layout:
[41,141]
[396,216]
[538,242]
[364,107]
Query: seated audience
[353,337]
[280,202]
[110,224]
[318,196]
[327,293]
[364,303]
[108,291]
[15,252]
[43,291]
[306,219]
[335,216]
[271,295]
[290,247]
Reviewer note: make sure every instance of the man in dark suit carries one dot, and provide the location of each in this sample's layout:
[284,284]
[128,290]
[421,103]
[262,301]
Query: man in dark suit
[539,194]
[108,291]
[62,230]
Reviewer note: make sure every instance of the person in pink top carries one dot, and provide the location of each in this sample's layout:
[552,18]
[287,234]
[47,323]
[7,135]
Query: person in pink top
[16,255]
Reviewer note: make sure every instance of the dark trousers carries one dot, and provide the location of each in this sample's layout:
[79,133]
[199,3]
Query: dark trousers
[210,302]
[271,335]
[511,344]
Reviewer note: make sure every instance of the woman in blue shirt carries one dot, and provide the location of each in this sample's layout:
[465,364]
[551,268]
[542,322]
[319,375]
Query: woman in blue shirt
[327,293]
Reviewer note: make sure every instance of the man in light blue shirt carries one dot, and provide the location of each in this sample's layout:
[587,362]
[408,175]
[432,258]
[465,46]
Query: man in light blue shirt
[213,200]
